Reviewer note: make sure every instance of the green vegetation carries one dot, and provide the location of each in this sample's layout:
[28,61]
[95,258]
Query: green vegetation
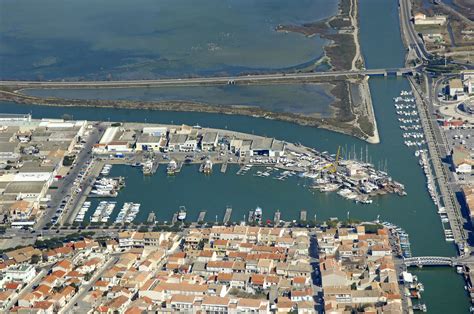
[372,228]
[68,160]
[58,242]
[242,294]
[365,125]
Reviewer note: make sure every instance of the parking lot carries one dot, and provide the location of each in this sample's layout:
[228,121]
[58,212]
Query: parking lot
[461,137]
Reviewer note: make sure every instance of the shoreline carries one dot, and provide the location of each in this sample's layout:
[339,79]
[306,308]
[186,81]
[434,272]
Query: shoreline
[344,120]
[343,53]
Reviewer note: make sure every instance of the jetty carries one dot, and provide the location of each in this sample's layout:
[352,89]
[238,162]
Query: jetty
[179,167]
[151,217]
[242,170]
[303,215]
[277,217]
[202,216]
[228,213]
[224,167]
[251,216]
[174,219]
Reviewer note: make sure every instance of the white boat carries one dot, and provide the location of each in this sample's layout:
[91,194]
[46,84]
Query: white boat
[258,215]
[182,213]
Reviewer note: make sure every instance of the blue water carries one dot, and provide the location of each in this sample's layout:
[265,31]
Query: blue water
[120,39]
[381,46]
[313,99]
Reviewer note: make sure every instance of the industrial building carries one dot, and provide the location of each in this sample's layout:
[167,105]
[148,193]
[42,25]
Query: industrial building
[31,154]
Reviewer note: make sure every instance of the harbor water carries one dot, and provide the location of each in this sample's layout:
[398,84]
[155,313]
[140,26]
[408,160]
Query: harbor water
[415,213]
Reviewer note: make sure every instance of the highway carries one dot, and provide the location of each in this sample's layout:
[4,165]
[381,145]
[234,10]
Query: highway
[256,78]
[410,35]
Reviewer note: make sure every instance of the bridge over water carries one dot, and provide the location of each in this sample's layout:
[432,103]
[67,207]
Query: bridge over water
[438,261]
[247,79]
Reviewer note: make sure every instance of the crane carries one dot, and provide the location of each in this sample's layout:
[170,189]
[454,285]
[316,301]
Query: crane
[332,168]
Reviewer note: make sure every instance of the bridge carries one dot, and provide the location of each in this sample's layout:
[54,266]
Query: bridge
[247,79]
[438,261]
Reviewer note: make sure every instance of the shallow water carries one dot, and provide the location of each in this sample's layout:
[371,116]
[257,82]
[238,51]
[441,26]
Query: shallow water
[293,98]
[120,39]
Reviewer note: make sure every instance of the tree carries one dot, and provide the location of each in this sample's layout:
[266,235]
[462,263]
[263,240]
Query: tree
[35,259]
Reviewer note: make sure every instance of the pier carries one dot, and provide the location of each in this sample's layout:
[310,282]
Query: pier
[277,217]
[224,167]
[251,217]
[174,219]
[202,216]
[151,217]
[241,170]
[179,167]
[228,213]
[303,215]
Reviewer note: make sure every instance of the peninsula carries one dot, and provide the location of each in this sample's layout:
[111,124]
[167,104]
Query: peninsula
[352,105]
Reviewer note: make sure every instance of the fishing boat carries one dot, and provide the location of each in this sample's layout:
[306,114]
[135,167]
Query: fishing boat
[182,213]
[172,166]
[258,215]
[206,167]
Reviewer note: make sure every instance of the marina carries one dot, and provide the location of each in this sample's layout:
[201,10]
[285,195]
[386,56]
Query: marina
[377,17]
[106,187]
[128,213]
[402,102]
[103,211]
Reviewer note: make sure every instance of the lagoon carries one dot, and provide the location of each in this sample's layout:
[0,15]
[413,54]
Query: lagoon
[141,39]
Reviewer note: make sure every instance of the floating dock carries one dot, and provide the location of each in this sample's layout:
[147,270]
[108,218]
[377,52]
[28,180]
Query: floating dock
[175,218]
[228,213]
[151,217]
[242,169]
[202,216]
[303,215]
[251,216]
[178,168]
[277,217]
[224,167]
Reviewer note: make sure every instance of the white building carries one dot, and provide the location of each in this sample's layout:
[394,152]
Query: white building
[456,88]
[209,141]
[176,141]
[148,142]
[22,273]
[422,19]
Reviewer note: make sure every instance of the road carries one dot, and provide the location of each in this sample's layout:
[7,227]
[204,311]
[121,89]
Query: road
[412,39]
[66,185]
[437,150]
[255,78]
[26,289]
[85,287]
